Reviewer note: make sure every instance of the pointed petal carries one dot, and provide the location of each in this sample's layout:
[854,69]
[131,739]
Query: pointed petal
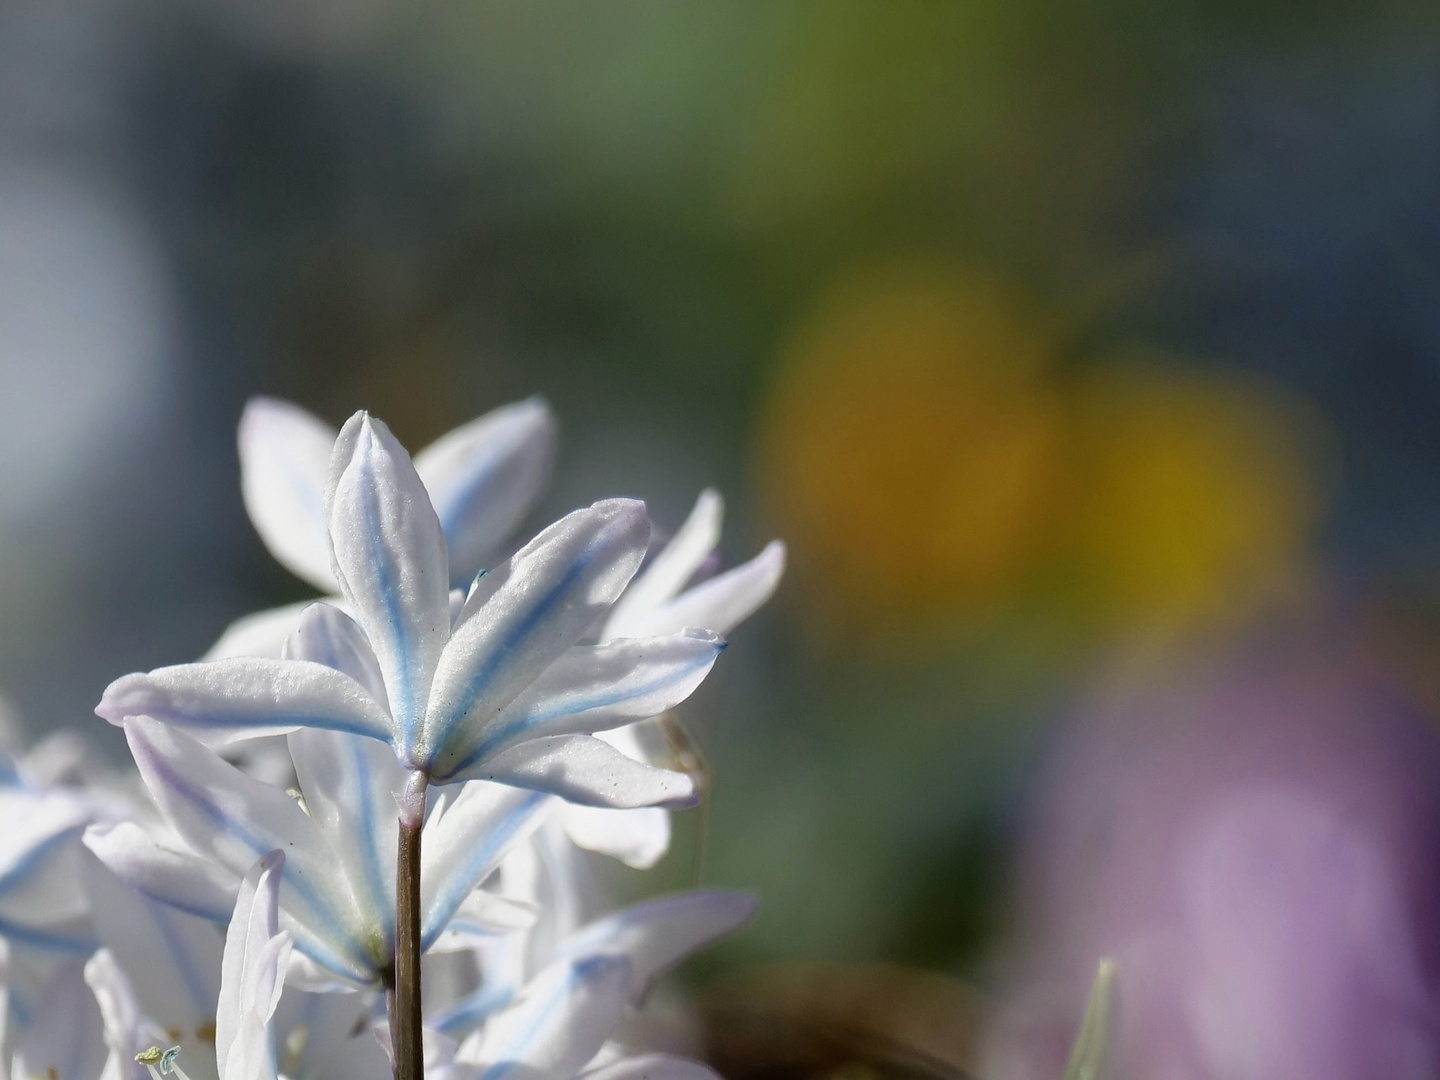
[177,878]
[391,561]
[485,476]
[596,687]
[229,817]
[584,770]
[326,635]
[226,701]
[667,574]
[657,934]
[256,953]
[651,1067]
[638,838]
[349,784]
[723,602]
[261,634]
[520,618]
[468,841]
[284,455]
[561,1019]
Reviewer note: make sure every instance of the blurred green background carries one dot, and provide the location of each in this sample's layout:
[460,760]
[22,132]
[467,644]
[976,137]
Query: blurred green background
[1052,338]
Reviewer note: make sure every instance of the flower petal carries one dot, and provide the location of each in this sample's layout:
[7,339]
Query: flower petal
[668,572]
[326,635]
[391,561]
[482,916]
[584,770]
[723,602]
[42,901]
[233,819]
[485,476]
[284,455]
[560,1020]
[35,825]
[177,878]
[120,1016]
[64,1037]
[226,701]
[349,784]
[521,617]
[260,634]
[460,849]
[638,837]
[595,687]
[657,934]
[171,958]
[256,952]
[651,1067]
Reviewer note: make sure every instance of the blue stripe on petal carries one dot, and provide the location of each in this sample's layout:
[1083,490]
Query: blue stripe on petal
[335,926]
[498,739]
[473,1008]
[581,971]
[34,859]
[456,506]
[404,709]
[512,642]
[382,896]
[20,1005]
[527,626]
[463,877]
[51,940]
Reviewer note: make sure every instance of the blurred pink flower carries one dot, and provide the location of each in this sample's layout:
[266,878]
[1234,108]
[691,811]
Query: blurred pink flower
[1259,853]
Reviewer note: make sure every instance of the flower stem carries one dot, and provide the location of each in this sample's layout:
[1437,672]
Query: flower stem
[405,1016]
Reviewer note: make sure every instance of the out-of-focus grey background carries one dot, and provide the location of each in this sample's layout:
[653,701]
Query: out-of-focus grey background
[1055,340]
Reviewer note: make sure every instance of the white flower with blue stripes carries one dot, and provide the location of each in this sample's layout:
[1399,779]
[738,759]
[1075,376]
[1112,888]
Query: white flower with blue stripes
[337,897]
[487,685]
[482,478]
[556,1026]
[44,911]
[669,594]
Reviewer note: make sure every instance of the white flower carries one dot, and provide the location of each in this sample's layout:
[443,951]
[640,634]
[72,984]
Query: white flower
[657,601]
[482,478]
[338,898]
[499,690]
[558,1023]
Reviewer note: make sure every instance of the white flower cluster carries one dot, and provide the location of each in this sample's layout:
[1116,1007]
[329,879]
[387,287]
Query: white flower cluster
[489,708]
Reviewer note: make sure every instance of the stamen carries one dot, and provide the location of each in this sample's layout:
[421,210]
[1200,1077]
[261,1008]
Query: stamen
[165,1059]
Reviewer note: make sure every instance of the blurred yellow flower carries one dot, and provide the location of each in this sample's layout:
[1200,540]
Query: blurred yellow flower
[908,447]
[1192,496]
[930,465]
